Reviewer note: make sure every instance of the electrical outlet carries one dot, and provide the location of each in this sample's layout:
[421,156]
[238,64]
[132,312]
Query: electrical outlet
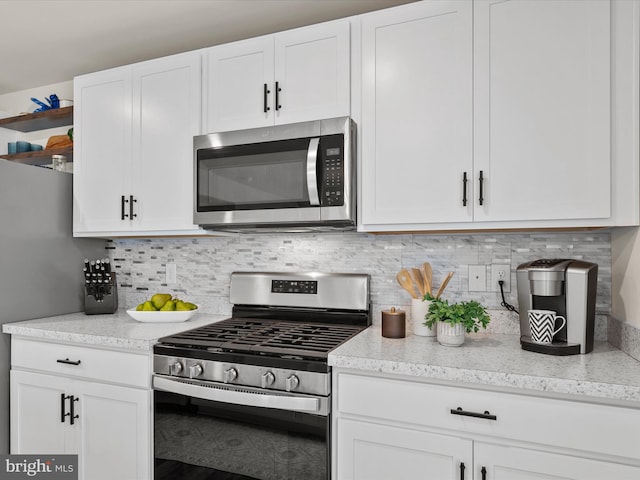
[477,278]
[171,273]
[500,272]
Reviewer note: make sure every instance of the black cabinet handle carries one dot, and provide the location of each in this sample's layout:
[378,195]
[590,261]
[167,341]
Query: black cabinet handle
[131,202]
[486,415]
[278,90]
[69,362]
[72,414]
[265,94]
[63,397]
[483,471]
[481,180]
[122,202]
[464,189]
[462,467]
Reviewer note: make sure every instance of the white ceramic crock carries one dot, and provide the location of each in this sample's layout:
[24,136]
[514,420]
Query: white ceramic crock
[419,309]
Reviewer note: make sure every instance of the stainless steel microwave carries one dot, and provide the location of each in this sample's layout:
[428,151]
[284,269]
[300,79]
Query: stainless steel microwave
[296,177]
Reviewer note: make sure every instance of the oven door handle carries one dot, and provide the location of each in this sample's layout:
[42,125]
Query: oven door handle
[239,397]
[312,173]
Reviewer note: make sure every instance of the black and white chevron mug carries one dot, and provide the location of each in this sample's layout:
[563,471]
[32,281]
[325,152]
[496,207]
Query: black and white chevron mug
[542,325]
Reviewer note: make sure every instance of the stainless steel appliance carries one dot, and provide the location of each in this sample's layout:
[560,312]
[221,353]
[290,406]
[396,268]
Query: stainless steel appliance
[41,263]
[297,177]
[250,397]
[567,287]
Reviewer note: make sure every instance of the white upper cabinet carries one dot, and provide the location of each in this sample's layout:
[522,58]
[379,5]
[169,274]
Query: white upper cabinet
[534,103]
[134,129]
[293,76]
[417,114]
[542,109]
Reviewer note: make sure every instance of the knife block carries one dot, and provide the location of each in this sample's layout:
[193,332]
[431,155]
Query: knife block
[96,303]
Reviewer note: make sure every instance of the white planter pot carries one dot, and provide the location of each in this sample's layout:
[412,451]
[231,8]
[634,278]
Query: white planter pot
[419,309]
[451,335]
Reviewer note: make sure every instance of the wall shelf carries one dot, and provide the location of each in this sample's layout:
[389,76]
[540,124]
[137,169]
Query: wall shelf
[40,157]
[58,117]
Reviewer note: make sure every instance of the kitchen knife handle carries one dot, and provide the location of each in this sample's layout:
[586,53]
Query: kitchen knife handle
[131,202]
[481,179]
[462,467]
[464,189]
[122,202]
[486,415]
[278,90]
[69,362]
[265,94]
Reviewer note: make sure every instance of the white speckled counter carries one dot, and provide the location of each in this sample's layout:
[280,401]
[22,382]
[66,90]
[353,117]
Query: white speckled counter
[493,360]
[115,331]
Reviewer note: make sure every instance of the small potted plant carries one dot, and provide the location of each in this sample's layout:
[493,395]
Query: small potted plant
[456,319]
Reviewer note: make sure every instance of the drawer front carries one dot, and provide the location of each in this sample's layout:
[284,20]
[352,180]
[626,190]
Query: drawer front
[90,363]
[582,426]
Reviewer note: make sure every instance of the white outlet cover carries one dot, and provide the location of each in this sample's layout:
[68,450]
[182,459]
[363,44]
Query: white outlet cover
[477,278]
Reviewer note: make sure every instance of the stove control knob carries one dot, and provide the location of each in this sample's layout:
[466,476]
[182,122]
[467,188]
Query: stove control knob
[291,383]
[268,379]
[195,370]
[230,375]
[175,368]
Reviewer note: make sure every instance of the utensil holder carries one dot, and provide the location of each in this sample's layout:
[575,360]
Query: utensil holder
[419,309]
[101,298]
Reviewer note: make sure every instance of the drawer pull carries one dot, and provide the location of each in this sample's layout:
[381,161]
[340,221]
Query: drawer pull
[66,361]
[486,415]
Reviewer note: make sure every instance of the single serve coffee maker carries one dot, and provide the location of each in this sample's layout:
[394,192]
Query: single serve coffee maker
[566,287]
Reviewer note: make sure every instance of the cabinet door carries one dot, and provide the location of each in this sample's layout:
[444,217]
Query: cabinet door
[312,70]
[166,113]
[368,451]
[36,413]
[114,431]
[510,463]
[542,109]
[417,114]
[240,85]
[102,150]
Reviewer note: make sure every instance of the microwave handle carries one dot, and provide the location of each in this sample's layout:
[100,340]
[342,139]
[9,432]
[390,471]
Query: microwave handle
[312,175]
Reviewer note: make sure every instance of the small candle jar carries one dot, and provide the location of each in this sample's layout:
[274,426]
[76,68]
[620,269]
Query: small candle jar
[393,323]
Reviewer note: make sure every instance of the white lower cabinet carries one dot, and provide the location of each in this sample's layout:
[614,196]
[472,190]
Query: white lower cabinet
[108,426]
[408,430]
[368,451]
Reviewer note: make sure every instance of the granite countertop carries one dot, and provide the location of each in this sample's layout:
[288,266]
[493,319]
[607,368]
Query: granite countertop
[496,360]
[116,331]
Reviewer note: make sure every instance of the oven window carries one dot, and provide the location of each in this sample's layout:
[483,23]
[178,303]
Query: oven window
[218,441]
[256,176]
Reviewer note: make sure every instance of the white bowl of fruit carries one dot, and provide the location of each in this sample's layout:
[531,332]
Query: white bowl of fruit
[163,308]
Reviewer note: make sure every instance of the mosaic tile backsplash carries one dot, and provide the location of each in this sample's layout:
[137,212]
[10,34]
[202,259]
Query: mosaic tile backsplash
[204,265]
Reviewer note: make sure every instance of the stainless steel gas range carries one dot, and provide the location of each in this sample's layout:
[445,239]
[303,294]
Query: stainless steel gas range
[249,398]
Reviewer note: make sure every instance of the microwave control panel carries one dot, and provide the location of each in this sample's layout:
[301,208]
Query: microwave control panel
[332,175]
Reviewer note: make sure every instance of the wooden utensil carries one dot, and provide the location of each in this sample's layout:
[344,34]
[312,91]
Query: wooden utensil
[404,279]
[444,284]
[428,276]
[417,276]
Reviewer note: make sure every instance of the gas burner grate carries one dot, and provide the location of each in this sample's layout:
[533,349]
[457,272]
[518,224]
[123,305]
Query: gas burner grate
[272,337]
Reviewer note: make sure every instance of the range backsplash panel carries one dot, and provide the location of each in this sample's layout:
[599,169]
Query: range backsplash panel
[204,264]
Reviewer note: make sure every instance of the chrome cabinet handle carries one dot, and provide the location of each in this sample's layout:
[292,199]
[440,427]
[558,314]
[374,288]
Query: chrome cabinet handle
[486,415]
